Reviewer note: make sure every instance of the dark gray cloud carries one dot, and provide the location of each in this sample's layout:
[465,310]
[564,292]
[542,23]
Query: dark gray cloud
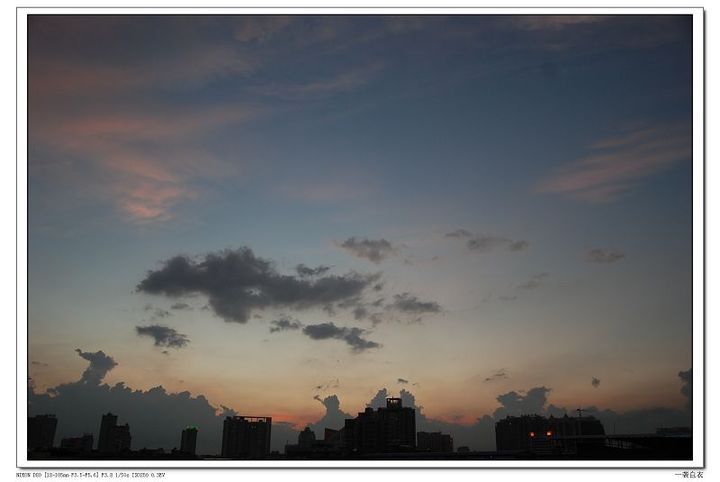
[181,306]
[514,403]
[351,336]
[595,382]
[403,381]
[284,324]
[375,250]
[604,256]
[534,282]
[360,313]
[484,243]
[334,418]
[378,400]
[407,303]
[100,365]
[237,282]
[39,364]
[163,336]
[308,272]
[500,374]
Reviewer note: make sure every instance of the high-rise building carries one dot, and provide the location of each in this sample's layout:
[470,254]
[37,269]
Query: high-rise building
[113,438]
[78,444]
[41,431]
[387,429]
[188,440]
[546,435]
[246,437]
[434,442]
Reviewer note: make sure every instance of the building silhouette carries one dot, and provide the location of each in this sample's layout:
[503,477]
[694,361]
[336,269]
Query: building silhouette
[83,443]
[188,440]
[113,438]
[246,437]
[547,435]
[434,442]
[306,437]
[388,429]
[41,431]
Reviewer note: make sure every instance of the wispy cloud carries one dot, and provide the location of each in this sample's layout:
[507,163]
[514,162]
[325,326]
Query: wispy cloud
[68,77]
[336,83]
[500,374]
[604,256]
[618,164]
[554,22]
[535,281]
[260,28]
[375,250]
[144,163]
[485,243]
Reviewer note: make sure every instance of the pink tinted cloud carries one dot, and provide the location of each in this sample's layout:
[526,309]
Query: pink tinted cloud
[49,78]
[618,164]
[148,163]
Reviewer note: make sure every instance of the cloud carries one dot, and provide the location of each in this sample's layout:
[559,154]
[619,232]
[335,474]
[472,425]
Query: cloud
[181,306]
[163,336]
[378,400]
[100,365]
[500,374]
[531,402]
[407,303]
[305,271]
[284,324]
[334,418]
[402,381]
[534,282]
[237,282]
[617,165]
[595,382]
[604,256]
[336,83]
[483,243]
[554,22]
[351,336]
[260,28]
[144,163]
[375,250]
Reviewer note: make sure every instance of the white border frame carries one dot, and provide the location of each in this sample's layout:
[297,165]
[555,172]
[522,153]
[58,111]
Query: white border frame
[698,242]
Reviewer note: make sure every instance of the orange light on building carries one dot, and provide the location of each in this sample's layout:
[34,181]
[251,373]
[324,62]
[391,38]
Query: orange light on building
[548,433]
[532,434]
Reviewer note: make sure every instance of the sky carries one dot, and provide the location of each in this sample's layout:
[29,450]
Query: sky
[471,212]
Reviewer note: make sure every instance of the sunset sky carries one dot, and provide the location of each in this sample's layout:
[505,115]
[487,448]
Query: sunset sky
[271,210]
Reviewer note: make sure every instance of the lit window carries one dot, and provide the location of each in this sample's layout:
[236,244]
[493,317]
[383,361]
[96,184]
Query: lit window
[548,433]
[532,434]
